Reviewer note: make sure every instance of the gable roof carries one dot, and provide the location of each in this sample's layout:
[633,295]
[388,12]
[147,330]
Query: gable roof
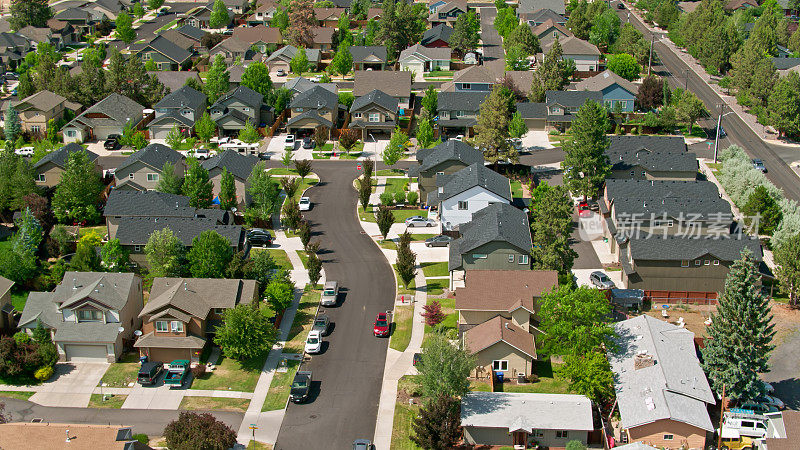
[259,33]
[175,79]
[287,52]
[328,13]
[573,46]
[61,156]
[474,175]
[169,49]
[243,94]
[504,290]
[514,411]
[377,97]
[316,98]
[605,79]
[118,108]
[736,4]
[137,230]
[183,97]
[461,100]
[239,165]
[532,110]
[659,153]
[448,151]
[439,32]
[572,98]
[42,100]
[191,32]
[395,83]
[499,329]
[323,35]
[785,63]
[499,222]
[147,203]
[426,53]
[181,40]
[474,74]
[541,30]
[528,6]
[680,248]
[301,84]
[154,155]
[674,387]
[544,15]
[669,198]
[197,296]
[369,54]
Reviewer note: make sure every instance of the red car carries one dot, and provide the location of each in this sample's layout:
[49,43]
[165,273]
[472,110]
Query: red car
[381,326]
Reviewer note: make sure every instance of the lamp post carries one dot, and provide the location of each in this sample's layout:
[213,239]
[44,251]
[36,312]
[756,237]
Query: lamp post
[719,124]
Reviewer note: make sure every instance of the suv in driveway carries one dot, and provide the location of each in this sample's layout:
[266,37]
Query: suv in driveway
[601,280]
[149,373]
[330,293]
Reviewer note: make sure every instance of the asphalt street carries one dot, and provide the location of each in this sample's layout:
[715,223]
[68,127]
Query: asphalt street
[775,157]
[493,55]
[348,374]
[148,421]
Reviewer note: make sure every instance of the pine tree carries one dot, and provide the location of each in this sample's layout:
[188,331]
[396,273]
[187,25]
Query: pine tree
[586,164]
[196,185]
[523,37]
[219,15]
[218,79]
[740,334]
[492,128]
[406,259]
[227,190]
[12,124]
[465,34]
[553,74]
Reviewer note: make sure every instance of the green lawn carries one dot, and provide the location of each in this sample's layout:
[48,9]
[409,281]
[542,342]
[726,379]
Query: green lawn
[437,269]
[111,402]
[715,167]
[396,185]
[282,171]
[411,289]
[352,155]
[549,382]
[516,188]
[402,320]
[556,139]
[18,299]
[404,415]
[232,375]
[278,255]
[122,373]
[400,215]
[481,385]
[421,237]
[304,258]
[320,155]
[255,445]
[278,393]
[368,216]
[437,286]
[19,395]
[389,172]
[101,230]
[303,320]
[449,308]
[215,403]
[388,244]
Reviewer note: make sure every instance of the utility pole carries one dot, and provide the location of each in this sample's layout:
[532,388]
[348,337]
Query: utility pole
[716,137]
[721,417]
[650,61]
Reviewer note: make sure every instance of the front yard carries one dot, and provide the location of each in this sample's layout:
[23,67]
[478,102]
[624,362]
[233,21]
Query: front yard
[19,395]
[278,255]
[278,393]
[303,320]
[402,321]
[435,269]
[122,373]
[111,401]
[404,414]
[215,403]
[232,375]
[411,289]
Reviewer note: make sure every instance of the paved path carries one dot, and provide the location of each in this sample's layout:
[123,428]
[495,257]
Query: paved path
[350,370]
[494,58]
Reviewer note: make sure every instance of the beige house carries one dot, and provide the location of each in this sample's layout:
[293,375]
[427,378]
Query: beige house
[51,166]
[6,308]
[240,166]
[499,346]
[315,107]
[141,171]
[35,110]
[374,113]
[89,314]
[104,118]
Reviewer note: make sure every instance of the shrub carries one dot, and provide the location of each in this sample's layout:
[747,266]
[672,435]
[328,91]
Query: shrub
[400,197]
[141,437]
[387,199]
[198,370]
[412,198]
[48,352]
[21,337]
[43,373]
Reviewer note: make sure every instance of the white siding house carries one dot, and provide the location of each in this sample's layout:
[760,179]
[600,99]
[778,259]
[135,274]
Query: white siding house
[459,208]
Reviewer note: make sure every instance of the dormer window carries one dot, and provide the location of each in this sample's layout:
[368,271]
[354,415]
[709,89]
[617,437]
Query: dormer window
[90,315]
[177,327]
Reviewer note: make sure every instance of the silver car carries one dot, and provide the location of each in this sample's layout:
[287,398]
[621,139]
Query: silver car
[419,221]
[330,293]
[321,324]
[601,280]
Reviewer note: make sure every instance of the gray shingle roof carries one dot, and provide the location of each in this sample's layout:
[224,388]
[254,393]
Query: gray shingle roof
[137,230]
[188,341]
[530,110]
[528,6]
[192,32]
[377,97]
[425,53]
[172,117]
[572,98]
[86,332]
[169,49]
[674,387]
[368,53]
[185,97]
[316,98]
[672,248]
[449,151]
[197,296]
[147,203]
[287,53]
[605,79]
[543,15]
[671,198]
[174,79]
[460,100]
[154,155]
[514,411]
[245,95]
[396,83]
[573,46]
[441,31]
[239,165]
[301,84]
[660,153]
[475,175]
[61,156]
[497,222]
[117,107]
[785,63]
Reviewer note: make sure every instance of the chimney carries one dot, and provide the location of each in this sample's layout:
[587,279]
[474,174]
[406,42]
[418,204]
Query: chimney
[642,361]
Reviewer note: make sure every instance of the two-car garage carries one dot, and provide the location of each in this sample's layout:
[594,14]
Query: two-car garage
[86,352]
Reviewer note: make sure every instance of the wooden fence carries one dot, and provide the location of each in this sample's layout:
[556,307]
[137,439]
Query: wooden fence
[675,297]
[278,121]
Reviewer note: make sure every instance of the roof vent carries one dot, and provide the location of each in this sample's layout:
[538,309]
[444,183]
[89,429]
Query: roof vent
[643,361]
[74,283]
[185,286]
[506,324]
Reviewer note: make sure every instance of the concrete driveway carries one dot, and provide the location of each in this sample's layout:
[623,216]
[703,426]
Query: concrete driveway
[71,385]
[159,396]
[536,140]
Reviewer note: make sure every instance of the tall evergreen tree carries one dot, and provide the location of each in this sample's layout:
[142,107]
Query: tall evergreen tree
[787,258]
[196,185]
[741,334]
[227,190]
[551,226]
[218,79]
[492,128]
[16,180]
[170,181]
[12,124]
[219,15]
[26,86]
[77,194]
[553,74]
[465,34]
[586,164]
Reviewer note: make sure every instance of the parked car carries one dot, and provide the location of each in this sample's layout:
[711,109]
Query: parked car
[758,408]
[516,143]
[322,324]
[201,153]
[314,342]
[363,444]
[382,326]
[259,236]
[149,372]
[289,143]
[112,142]
[305,204]
[759,164]
[733,440]
[280,73]
[177,373]
[308,143]
[438,241]
[772,401]
[24,151]
[419,221]
[330,293]
[220,140]
[601,280]
[11,76]
[301,386]
[768,387]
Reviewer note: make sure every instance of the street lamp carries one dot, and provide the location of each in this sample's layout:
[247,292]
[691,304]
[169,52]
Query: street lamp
[716,137]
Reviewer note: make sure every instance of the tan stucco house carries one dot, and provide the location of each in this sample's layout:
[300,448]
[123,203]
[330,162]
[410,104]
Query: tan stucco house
[35,110]
[240,166]
[141,171]
[50,168]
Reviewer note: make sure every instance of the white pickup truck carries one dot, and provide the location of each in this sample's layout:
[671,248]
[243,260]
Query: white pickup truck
[239,146]
[199,153]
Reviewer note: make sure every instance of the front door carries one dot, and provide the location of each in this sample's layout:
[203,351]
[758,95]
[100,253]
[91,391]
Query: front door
[520,438]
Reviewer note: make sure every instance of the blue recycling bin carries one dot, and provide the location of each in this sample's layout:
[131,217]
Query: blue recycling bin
[142,359]
[499,376]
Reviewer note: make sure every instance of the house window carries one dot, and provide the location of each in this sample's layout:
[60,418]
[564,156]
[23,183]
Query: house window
[219,310]
[480,255]
[36,128]
[162,326]
[90,315]
[130,176]
[298,110]
[716,262]
[357,115]
[607,103]
[623,104]
[523,259]
[556,110]
[707,262]
[685,263]
[696,262]
[152,177]
[40,178]
[177,327]
[501,365]
[511,258]
[137,248]
[439,173]
[537,433]
[246,109]
[374,117]
[461,113]
[463,206]
[70,133]
[563,434]
[466,86]
[186,112]
[668,437]
[644,173]
[633,173]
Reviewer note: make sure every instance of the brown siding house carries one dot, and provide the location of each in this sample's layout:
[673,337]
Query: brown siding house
[51,166]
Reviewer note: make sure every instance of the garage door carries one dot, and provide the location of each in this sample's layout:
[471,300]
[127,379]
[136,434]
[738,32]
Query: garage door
[416,68]
[159,132]
[101,133]
[167,355]
[82,352]
[535,124]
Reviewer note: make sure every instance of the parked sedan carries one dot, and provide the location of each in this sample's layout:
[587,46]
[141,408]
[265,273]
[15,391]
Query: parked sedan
[322,324]
[419,221]
[438,241]
[258,236]
[314,342]
[382,326]
[601,280]
[772,401]
[112,142]
[362,444]
[305,204]
[759,164]
[301,386]
[24,151]
[308,143]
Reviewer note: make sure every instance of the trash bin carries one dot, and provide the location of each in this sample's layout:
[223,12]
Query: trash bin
[142,359]
[499,376]
[521,378]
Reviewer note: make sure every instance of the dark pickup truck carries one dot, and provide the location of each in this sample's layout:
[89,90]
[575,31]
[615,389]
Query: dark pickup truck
[178,370]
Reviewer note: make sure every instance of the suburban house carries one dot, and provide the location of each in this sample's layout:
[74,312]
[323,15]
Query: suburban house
[180,108]
[513,418]
[63,30]
[190,34]
[420,59]
[550,30]
[175,79]
[232,50]
[51,435]
[461,194]
[395,83]
[141,171]
[89,314]
[458,112]
[82,19]
[374,113]
[236,6]
[511,294]
[585,55]
[474,78]
[437,36]
[281,58]
[444,159]
[123,204]
[259,36]
[183,313]
[323,38]
[6,307]
[52,165]
[497,238]
[172,35]
[263,13]
[369,58]
[43,34]
[500,347]
[165,54]
[328,17]
[619,94]
[13,47]
[133,233]
[240,166]
[651,158]
[448,13]
[315,107]
[563,105]
[532,6]
[37,109]
[661,389]
[299,85]
[232,111]
[783,428]
[541,16]
[200,17]
[534,115]
[733,5]
[104,118]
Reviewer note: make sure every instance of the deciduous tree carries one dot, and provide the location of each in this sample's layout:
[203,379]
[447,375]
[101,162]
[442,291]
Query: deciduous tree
[303,167]
[406,259]
[35,13]
[438,425]
[589,375]
[218,79]
[424,133]
[605,29]
[205,127]
[114,257]
[348,138]
[197,185]
[430,102]
[651,93]
[396,148]
[523,37]
[125,31]
[165,254]
[575,321]
[433,313]
[219,15]
[210,255]
[86,258]
[492,128]
[690,108]
[227,190]
[299,62]
[265,193]
[516,126]
[444,368]
[506,21]
[301,21]
[787,258]
[465,34]
[77,194]
[256,77]
[291,214]
[249,134]
[385,219]
[342,61]
[625,66]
